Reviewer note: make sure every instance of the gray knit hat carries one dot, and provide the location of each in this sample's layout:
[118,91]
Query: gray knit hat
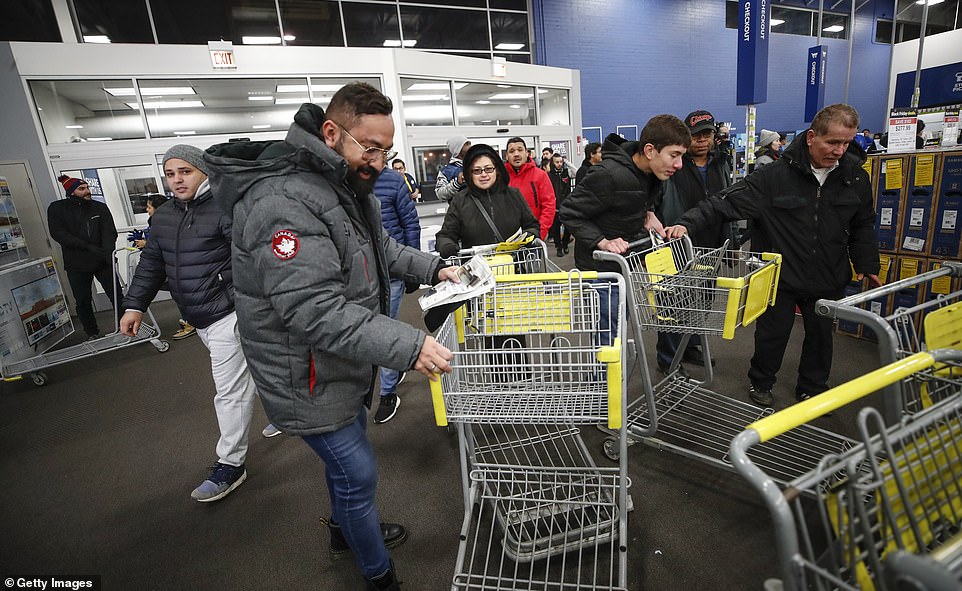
[189,154]
[767,137]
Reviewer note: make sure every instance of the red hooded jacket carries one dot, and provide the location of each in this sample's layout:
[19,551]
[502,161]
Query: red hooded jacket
[537,190]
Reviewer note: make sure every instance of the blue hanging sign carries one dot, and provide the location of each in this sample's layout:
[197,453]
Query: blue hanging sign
[752,65]
[815,81]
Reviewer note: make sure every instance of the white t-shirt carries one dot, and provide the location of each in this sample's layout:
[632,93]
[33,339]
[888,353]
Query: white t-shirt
[822,173]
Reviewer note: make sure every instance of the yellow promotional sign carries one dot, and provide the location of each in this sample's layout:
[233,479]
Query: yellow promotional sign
[925,170]
[893,173]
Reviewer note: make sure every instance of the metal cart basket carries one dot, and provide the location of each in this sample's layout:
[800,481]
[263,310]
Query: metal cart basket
[533,359]
[935,323]
[888,511]
[148,332]
[675,287]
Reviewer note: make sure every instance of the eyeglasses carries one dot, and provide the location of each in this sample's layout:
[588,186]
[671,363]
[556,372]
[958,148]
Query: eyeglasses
[485,170]
[371,153]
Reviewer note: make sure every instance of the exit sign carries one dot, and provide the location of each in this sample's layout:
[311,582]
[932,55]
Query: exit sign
[222,55]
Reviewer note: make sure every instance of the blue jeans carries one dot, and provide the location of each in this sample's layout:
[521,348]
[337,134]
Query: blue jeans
[351,474]
[389,377]
[608,312]
[668,343]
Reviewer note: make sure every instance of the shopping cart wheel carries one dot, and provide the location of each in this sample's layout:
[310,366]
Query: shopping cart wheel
[611,449]
[161,346]
[39,378]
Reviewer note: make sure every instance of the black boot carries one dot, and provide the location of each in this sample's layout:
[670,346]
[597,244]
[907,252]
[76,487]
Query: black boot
[385,582]
[394,536]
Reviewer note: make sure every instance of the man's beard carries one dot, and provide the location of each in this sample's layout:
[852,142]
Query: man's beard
[362,186]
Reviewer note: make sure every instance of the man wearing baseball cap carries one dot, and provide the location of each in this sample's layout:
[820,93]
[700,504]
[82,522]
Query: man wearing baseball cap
[190,250]
[87,236]
[703,172]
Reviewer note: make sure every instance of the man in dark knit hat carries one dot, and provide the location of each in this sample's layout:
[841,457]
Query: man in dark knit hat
[190,250]
[87,236]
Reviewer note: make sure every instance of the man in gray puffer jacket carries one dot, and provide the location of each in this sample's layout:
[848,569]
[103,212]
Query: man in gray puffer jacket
[312,271]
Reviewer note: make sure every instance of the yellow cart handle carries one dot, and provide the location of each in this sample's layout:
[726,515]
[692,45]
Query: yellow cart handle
[562,276]
[808,410]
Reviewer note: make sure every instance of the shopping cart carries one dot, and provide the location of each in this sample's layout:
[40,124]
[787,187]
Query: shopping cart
[534,359]
[675,287]
[149,332]
[510,259]
[932,324]
[888,511]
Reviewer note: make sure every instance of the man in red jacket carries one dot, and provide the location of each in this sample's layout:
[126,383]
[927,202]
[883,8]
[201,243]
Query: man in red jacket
[534,184]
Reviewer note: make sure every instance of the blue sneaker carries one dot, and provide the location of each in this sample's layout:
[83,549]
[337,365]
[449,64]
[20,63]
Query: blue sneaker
[222,480]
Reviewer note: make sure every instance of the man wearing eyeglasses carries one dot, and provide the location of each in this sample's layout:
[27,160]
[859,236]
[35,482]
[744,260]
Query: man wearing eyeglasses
[312,273]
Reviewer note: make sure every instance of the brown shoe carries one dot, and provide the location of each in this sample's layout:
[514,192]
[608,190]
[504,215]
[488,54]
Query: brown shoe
[185,331]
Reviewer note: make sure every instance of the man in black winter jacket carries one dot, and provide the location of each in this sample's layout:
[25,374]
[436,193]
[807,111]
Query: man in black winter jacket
[561,182]
[190,249]
[814,206]
[87,236]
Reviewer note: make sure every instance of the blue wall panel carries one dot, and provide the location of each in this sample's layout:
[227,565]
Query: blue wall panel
[639,58]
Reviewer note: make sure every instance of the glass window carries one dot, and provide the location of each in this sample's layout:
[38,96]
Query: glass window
[427,162]
[124,189]
[426,102]
[521,58]
[463,3]
[311,22]
[509,31]
[220,105]
[793,22]
[323,89]
[494,104]
[553,103]
[103,21]
[245,22]
[28,20]
[509,4]
[370,25]
[834,26]
[74,111]
[445,28]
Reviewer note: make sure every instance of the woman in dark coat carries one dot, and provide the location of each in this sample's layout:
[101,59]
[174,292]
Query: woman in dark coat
[488,193]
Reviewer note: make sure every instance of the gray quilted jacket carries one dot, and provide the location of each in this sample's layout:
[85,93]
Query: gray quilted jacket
[312,268]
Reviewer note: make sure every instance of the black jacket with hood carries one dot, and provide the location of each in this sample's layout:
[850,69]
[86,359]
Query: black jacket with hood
[85,230]
[817,229]
[686,189]
[611,202]
[189,248]
[464,225]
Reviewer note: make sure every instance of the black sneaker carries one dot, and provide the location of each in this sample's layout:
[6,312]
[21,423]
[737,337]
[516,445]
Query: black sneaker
[387,408]
[393,533]
[761,397]
[401,377]
[387,581]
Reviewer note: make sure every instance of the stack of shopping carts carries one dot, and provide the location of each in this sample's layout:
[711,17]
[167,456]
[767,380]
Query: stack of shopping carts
[888,511]
[534,359]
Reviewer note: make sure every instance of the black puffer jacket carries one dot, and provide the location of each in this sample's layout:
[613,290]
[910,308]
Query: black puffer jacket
[189,247]
[686,189]
[612,201]
[85,230]
[464,225]
[817,229]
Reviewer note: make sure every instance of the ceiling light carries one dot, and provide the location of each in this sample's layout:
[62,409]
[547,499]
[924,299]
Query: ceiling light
[435,86]
[515,106]
[161,91]
[99,139]
[397,42]
[289,37]
[260,98]
[191,132]
[776,21]
[504,86]
[510,96]
[485,121]
[930,2]
[261,126]
[509,46]
[257,40]
[167,104]
[96,39]
[483,102]
[834,29]
[74,126]
[291,88]
[291,100]
[423,97]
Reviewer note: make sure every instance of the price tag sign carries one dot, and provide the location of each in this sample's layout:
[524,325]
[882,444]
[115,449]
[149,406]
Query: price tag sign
[902,125]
